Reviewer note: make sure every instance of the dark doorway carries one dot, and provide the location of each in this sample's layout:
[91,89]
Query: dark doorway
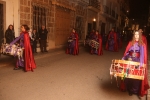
[102,29]
[94,25]
[103,33]
[1,24]
[89,28]
[78,26]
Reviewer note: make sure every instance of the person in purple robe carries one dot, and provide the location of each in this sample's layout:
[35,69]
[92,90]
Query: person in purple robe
[73,47]
[20,60]
[112,44]
[96,45]
[25,61]
[136,51]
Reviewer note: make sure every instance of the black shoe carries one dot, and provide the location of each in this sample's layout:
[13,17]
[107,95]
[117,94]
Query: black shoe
[130,94]
[16,68]
[139,97]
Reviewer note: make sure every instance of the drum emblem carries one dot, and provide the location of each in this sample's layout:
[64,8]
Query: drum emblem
[133,54]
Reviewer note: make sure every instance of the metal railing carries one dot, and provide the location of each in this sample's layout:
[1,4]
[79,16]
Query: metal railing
[94,3]
[106,9]
[113,13]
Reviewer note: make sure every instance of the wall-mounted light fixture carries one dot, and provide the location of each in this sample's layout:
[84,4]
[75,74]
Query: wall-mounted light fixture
[94,20]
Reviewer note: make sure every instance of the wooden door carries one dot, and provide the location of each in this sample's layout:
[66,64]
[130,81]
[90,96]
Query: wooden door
[62,25]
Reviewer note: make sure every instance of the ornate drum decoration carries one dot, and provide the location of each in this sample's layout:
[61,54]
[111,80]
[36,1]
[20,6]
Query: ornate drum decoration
[13,50]
[70,40]
[127,69]
[94,44]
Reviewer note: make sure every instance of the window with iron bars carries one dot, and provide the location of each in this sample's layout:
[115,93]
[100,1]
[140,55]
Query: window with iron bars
[39,17]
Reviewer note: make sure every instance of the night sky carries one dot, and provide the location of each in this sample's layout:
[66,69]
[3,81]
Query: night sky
[138,8]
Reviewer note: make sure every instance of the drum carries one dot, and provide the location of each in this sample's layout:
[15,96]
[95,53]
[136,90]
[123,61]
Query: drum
[13,50]
[127,69]
[70,40]
[3,48]
[94,44]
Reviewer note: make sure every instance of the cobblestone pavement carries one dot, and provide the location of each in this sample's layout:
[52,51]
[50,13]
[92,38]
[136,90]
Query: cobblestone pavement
[59,76]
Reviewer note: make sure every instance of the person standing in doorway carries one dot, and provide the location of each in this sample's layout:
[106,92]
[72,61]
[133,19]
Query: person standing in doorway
[43,38]
[34,40]
[10,34]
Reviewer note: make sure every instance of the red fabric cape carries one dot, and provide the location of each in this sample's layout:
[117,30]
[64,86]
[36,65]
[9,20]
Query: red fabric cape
[29,59]
[115,39]
[76,48]
[100,51]
[144,85]
[144,40]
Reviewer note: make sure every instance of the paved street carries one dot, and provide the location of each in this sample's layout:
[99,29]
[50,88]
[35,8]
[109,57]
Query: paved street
[62,77]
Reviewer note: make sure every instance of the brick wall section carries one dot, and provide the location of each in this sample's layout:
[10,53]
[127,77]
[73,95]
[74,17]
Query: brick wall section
[81,10]
[25,12]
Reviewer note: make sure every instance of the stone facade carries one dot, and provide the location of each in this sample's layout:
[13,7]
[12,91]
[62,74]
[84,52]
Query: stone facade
[81,18]
[60,16]
[26,16]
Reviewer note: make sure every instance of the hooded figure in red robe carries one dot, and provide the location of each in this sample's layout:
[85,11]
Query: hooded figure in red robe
[96,44]
[112,44]
[73,46]
[27,60]
[136,51]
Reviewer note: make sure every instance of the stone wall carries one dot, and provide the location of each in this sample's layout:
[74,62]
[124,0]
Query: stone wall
[81,19]
[26,16]
[25,12]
